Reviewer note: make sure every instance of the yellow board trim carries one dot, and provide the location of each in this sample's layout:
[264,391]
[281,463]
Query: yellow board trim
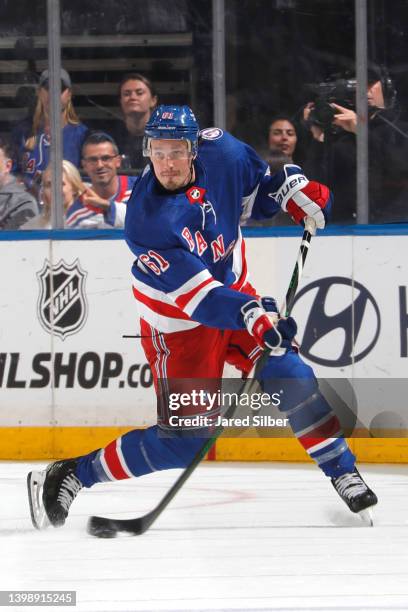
[370,450]
[32,443]
[28,443]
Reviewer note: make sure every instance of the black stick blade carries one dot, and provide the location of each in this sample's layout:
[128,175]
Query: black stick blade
[102,527]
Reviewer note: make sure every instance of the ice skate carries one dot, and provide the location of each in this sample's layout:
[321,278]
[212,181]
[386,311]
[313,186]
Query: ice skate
[52,492]
[356,494]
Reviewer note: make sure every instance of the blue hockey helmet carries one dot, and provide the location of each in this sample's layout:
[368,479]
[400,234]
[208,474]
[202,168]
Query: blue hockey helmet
[172,123]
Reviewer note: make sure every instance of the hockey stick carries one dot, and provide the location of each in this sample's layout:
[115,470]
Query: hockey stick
[103,527]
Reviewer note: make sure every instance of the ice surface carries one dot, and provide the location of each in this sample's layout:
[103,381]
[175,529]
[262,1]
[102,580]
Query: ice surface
[238,537]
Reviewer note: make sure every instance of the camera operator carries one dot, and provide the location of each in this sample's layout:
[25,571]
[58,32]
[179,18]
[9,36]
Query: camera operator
[331,157]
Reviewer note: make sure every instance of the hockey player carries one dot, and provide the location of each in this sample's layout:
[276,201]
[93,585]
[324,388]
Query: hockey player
[198,310]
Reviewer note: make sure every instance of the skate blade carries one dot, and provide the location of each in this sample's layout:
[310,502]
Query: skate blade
[35,482]
[366,516]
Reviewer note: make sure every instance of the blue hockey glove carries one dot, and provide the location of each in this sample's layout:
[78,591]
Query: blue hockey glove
[262,322]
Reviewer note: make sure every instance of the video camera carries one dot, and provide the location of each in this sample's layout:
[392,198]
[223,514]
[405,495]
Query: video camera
[340,91]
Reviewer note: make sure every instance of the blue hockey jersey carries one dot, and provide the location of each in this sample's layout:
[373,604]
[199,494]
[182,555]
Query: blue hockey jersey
[32,162]
[79,215]
[190,255]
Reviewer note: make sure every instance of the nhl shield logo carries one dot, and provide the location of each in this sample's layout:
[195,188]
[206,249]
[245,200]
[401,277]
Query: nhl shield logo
[62,305]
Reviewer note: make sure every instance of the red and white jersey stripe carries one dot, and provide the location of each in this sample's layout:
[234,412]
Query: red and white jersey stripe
[171,312]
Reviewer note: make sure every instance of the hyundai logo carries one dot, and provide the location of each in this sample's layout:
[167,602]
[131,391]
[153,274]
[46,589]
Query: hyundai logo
[343,324]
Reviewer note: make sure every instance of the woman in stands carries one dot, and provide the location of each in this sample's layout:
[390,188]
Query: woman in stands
[137,101]
[34,142]
[72,189]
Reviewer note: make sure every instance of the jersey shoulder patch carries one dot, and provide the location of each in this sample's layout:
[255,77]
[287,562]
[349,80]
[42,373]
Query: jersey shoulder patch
[211,133]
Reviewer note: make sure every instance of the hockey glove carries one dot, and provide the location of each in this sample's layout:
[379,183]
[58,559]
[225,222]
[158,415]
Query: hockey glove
[262,322]
[302,198]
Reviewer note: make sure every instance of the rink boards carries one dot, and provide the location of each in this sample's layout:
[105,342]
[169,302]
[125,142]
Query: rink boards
[70,381]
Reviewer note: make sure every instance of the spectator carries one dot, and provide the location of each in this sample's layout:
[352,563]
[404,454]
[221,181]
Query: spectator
[137,100]
[282,136]
[282,140]
[103,203]
[16,205]
[72,188]
[34,140]
[332,154]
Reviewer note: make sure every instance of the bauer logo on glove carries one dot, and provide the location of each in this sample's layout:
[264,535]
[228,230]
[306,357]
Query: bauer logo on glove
[302,198]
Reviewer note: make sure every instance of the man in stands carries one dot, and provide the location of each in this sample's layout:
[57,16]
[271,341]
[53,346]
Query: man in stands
[16,205]
[103,204]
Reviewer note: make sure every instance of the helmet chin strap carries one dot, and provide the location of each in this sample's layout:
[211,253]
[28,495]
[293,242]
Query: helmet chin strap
[192,172]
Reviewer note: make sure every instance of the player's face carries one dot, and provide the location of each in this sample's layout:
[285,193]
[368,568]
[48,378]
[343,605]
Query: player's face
[101,163]
[136,97]
[282,137]
[171,161]
[375,95]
